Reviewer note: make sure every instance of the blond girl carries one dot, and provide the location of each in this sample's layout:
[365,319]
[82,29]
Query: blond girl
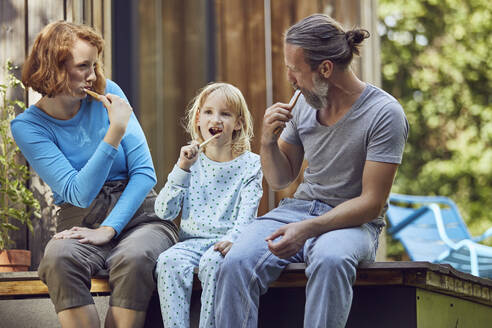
[217,188]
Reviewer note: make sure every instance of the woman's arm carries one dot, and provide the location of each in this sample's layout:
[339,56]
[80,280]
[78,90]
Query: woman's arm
[75,157]
[141,180]
[141,177]
[78,187]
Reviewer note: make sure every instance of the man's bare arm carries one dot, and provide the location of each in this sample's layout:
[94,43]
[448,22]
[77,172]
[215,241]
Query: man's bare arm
[281,163]
[280,160]
[377,180]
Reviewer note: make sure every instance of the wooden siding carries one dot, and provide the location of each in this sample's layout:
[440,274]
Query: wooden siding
[172,68]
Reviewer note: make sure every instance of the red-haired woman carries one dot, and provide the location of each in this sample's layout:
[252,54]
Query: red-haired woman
[94,156]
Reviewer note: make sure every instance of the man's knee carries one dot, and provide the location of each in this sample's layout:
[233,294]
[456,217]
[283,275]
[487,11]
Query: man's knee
[234,262]
[327,264]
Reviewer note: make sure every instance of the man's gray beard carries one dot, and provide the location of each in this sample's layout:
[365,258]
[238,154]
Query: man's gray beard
[318,97]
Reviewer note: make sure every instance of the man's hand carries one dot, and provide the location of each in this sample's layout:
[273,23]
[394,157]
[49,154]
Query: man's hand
[99,236]
[223,247]
[294,235]
[275,118]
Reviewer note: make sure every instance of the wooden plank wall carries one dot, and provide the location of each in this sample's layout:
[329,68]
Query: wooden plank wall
[20,22]
[172,68]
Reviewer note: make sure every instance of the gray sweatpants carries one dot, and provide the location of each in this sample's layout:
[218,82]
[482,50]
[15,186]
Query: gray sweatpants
[67,265]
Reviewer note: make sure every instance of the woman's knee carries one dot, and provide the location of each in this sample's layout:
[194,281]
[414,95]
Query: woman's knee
[133,260]
[61,262]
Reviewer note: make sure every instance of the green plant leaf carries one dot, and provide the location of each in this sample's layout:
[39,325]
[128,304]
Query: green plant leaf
[16,200]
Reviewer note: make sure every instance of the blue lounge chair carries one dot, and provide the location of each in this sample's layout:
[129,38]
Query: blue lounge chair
[431,229]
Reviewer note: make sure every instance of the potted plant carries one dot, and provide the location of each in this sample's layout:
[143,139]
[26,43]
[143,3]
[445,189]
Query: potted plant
[16,200]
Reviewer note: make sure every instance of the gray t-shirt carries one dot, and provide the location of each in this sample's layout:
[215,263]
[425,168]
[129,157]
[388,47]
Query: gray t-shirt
[374,129]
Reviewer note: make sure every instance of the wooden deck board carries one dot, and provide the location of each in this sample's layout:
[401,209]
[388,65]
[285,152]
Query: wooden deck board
[434,277]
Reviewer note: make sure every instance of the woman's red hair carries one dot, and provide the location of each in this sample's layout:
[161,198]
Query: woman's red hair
[44,69]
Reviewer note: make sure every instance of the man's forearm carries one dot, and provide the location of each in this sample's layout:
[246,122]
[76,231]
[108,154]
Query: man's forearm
[351,213]
[376,185]
[276,166]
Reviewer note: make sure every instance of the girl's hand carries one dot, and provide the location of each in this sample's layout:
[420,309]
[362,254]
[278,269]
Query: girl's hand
[99,236]
[223,247]
[188,155]
[119,112]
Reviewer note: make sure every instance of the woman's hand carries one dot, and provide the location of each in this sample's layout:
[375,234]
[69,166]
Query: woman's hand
[223,247]
[99,236]
[119,112]
[188,155]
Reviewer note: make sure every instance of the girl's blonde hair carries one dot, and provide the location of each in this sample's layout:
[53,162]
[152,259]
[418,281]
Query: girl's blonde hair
[235,102]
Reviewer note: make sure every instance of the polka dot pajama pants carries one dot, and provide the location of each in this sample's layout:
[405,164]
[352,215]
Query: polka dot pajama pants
[175,280]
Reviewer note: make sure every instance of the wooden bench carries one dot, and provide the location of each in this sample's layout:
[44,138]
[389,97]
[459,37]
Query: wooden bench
[386,294]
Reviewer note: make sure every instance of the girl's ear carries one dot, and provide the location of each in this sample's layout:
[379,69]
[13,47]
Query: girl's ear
[197,123]
[239,124]
[197,117]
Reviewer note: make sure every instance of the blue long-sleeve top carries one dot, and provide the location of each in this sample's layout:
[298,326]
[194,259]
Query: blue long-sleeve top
[217,199]
[72,158]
